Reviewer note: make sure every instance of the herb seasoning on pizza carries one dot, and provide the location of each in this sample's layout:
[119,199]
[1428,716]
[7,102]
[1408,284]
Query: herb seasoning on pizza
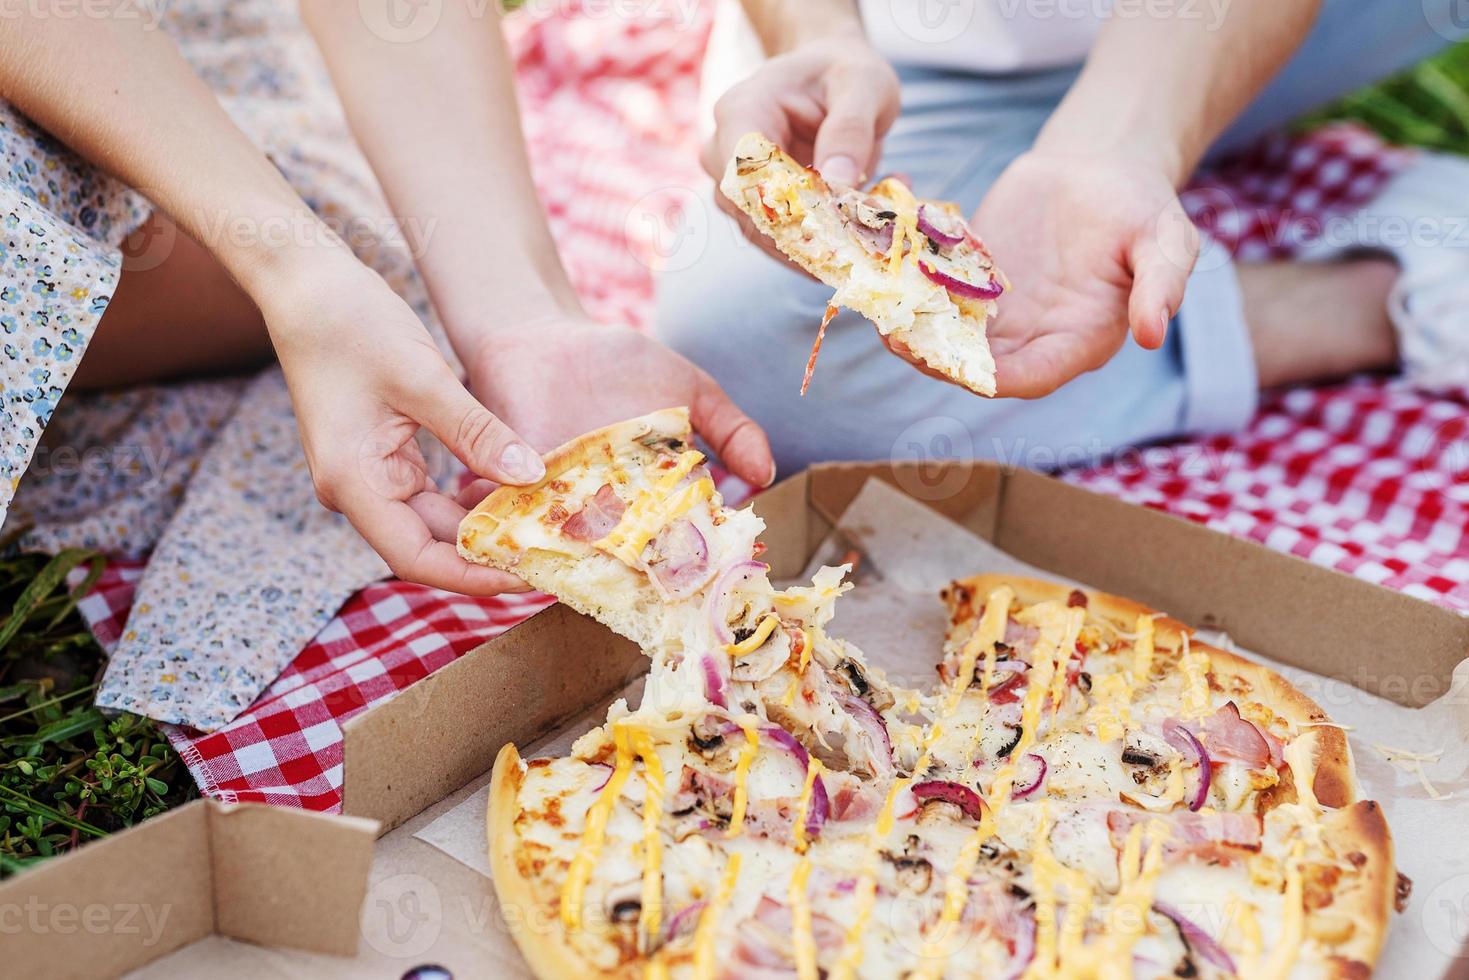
[1087,791]
[915,269]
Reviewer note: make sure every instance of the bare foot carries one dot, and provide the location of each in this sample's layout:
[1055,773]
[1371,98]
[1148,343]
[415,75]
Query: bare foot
[1315,322]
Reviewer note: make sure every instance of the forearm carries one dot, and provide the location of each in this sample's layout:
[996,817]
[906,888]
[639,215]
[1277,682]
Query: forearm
[1165,87]
[784,25]
[438,121]
[121,95]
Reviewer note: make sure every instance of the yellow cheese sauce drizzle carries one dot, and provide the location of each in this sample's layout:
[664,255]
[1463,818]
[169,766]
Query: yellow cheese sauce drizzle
[801,939]
[1293,919]
[751,726]
[905,229]
[756,639]
[654,509]
[1142,650]
[1059,628]
[651,917]
[1195,666]
[803,808]
[596,830]
[1127,919]
[708,927]
[851,953]
[990,631]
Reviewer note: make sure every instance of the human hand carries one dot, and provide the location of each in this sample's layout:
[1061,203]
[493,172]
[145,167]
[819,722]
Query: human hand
[828,102]
[561,375]
[364,375]
[1092,244]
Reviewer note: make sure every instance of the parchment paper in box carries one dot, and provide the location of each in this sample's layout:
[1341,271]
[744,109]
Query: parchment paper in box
[909,552]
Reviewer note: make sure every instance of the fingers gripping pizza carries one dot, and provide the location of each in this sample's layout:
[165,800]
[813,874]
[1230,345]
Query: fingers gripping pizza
[628,528]
[1086,791]
[915,269]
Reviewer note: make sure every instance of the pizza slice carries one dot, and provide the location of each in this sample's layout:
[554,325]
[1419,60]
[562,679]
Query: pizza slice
[914,268]
[627,527]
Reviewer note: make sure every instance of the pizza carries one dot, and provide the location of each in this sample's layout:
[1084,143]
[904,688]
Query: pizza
[1085,790]
[914,268]
[628,527]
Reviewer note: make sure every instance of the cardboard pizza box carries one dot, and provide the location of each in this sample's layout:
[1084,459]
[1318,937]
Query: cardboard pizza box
[415,759]
[254,873]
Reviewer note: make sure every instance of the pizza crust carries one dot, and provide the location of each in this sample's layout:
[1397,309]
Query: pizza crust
[547,953]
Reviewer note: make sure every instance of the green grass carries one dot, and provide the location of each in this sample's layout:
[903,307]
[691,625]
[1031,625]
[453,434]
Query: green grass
[67,773]
[1426,106]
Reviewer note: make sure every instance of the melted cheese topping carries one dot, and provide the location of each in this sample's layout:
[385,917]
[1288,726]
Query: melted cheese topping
[708,928]
[1293,919]
[802,941]
[751,726]
[651,917]
[755,640]
[1142,649]
[1195,666]
[803,808]
[592,837]
[658,507]
[905,228]
[990,631]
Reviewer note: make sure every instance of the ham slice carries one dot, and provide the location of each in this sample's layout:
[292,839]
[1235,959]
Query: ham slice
[1211,836]
[597,517]
[1230,738]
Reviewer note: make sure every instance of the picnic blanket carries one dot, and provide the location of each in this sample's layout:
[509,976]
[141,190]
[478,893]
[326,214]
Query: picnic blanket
[1367,477]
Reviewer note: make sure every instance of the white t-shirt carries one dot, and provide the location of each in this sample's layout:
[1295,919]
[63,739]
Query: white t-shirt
[984,35]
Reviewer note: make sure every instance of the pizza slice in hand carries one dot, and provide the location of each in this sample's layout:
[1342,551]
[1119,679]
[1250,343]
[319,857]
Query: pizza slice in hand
[914,268]
[627,527]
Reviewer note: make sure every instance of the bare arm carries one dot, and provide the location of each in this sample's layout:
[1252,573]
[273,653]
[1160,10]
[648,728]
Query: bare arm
[437,119]
[362,370]
[121,95]
[1168,86]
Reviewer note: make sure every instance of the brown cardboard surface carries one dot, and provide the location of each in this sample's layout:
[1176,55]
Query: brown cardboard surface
[1283,606]
[431,739]
[259,873]
[114,904]
[286,877]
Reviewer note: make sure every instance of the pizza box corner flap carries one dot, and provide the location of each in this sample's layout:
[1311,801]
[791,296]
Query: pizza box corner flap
[288,879]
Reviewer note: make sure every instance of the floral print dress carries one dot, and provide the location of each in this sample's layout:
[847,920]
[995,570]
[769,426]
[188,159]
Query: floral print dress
[207,476]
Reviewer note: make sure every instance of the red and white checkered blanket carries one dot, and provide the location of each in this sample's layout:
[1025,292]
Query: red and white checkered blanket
[1366,477]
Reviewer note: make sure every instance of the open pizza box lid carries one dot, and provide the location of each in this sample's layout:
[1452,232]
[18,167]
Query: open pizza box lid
[419,760]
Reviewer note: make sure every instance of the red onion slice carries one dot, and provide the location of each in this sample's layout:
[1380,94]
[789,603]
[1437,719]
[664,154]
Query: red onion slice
[1023,951]
[785,740]
[681,922]
[715,605]
[959,287]
[605,779]
[1034,782]
[1197,939]
[930,228]
[958,794]
[716,687]
[819,811]
[1184,741]
[880,746]
[680,559]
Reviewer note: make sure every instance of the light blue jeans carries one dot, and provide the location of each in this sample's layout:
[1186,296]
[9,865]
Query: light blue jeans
[749,320]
